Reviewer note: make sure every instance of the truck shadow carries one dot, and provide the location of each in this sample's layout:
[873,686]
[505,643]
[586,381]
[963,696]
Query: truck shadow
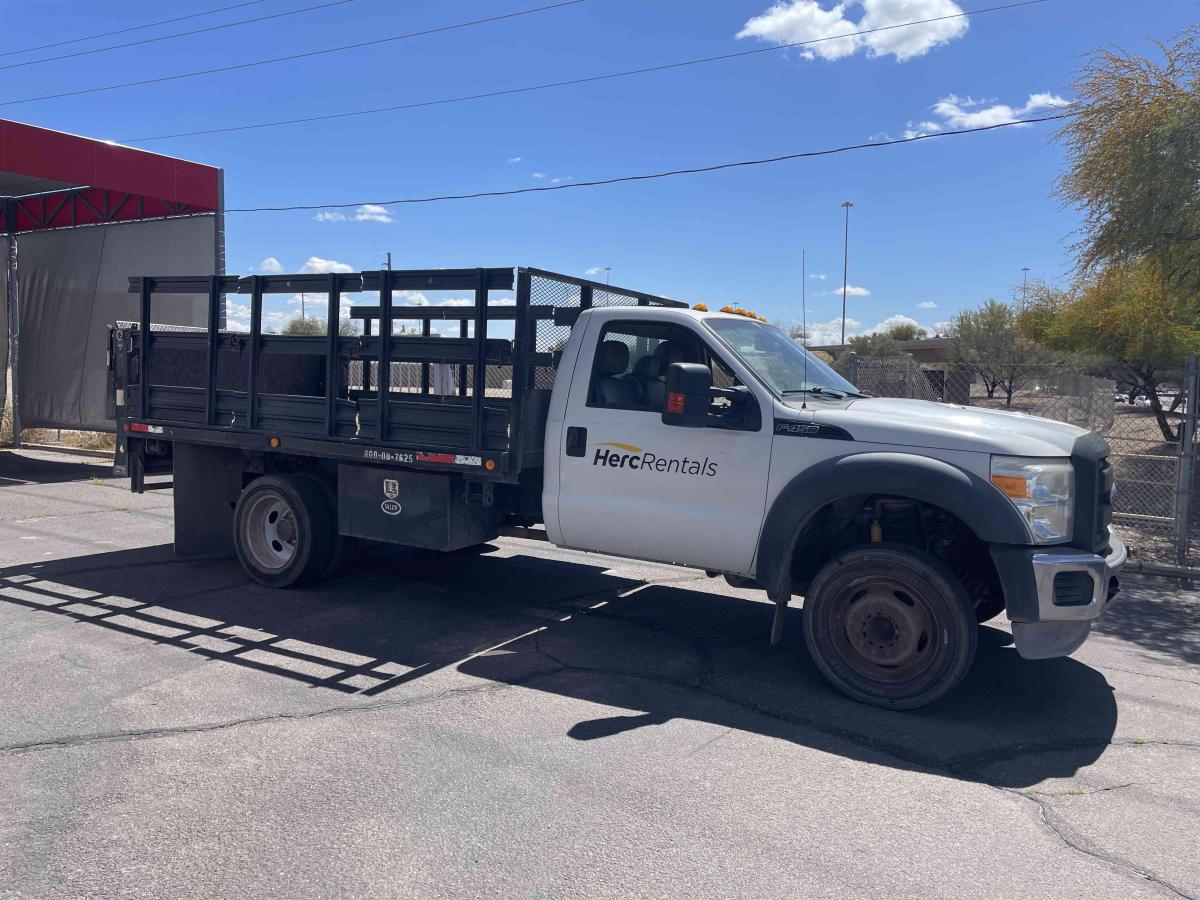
[19,468]
[656,652]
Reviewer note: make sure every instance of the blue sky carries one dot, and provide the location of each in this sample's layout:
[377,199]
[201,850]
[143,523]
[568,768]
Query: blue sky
[936,226]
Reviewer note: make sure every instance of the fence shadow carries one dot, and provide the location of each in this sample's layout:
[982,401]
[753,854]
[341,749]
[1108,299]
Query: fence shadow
[1151,613]
[660,652]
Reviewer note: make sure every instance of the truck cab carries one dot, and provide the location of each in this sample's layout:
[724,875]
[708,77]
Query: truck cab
[626,424]
[714,441]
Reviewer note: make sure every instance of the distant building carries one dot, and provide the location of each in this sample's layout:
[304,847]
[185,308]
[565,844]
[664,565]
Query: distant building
[946,380]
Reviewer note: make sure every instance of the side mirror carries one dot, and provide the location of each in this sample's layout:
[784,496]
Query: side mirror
[689,392]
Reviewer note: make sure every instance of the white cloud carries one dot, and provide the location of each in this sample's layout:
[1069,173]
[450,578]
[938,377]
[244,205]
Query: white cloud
[852,291]
[316,265]
[825,333]
[270,266]
[237,315]
[562,178]
[891,322]
[955,112]
[820,276]
[926,304]
[409,298]
[538,175]
[918,129]
[368,212]
[965,112]
[594,270]
[793,21]
[513,160]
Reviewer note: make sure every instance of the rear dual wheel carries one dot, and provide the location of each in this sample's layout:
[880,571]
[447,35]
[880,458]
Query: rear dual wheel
[285,530]
[890,626]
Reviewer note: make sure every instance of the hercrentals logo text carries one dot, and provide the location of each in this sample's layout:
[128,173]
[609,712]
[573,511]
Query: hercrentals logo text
[626,456]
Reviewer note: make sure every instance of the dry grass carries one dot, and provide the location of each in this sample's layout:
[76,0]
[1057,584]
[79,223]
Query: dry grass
[78,440]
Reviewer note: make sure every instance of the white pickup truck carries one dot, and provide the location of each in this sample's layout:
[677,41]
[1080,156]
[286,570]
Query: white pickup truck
[647,430]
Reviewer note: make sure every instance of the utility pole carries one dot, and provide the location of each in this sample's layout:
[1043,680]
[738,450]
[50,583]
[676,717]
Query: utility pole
[845,266]
[14,314]
[389,260]
[804,299]
[1025,287]
[608,274]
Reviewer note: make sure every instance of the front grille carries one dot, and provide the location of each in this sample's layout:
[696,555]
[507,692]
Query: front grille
[1104,506]
[1093,494]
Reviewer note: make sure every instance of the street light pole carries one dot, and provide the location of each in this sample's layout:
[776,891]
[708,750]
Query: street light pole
[608,274]
[845,266]
[1025,287]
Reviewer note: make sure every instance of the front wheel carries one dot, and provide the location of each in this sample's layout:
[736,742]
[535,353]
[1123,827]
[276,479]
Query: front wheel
[890,626]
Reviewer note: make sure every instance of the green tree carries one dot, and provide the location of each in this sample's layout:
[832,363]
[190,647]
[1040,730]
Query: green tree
[1133,144]
[876,345]
[299,325]
[907,331]
[1131,317]
[989,343]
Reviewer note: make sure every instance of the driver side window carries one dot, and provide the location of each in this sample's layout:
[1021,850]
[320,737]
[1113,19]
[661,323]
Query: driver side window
[629,370]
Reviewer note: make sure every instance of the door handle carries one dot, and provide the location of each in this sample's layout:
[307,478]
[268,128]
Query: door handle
[576,441]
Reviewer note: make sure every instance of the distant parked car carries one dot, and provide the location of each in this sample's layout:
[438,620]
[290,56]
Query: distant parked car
[1141,400]
[1118,397]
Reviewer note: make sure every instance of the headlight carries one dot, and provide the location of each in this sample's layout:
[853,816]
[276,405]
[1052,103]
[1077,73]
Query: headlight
[1043,492]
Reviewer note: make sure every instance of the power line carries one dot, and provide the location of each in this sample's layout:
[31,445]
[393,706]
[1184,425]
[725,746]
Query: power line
[92,37]
[306,55]
[178,34]
[645,70]
[741,164]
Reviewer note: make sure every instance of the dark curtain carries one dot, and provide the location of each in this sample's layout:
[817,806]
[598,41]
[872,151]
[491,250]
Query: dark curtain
[74,284]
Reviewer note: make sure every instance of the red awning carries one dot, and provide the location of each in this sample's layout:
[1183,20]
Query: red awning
[60,180]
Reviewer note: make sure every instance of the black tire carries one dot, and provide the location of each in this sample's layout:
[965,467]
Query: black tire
[988,608]
[282,530]
[890,626]
[342,546]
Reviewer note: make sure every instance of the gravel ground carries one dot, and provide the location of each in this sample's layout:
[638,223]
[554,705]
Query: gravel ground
[526,721]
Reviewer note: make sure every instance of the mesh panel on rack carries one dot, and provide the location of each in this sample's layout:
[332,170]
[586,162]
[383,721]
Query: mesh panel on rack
[551,338]
[611,298]
[547,336]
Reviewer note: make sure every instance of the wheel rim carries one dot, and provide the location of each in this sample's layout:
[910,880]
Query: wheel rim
[270,531]
[884,630]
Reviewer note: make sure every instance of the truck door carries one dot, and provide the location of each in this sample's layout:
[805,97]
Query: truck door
[632,486]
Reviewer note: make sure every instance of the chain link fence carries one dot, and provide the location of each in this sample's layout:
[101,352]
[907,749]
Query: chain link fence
[1153,451]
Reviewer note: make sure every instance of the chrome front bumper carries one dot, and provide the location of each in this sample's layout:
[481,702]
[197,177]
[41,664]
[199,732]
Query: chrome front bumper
[1100,569]
[1062,627]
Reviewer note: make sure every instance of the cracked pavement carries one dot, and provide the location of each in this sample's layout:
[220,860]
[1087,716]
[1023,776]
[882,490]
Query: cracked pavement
[528,721]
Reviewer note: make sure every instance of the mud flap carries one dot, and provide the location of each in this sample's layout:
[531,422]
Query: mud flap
[781,605]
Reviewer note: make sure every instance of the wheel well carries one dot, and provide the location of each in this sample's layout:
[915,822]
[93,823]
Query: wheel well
[871,518]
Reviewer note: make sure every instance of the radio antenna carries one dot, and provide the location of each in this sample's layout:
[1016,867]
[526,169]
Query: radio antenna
[804,320]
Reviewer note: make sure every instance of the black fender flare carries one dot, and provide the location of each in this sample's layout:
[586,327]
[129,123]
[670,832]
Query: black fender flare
[976,502]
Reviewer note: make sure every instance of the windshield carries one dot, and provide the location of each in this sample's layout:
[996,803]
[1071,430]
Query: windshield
[783,364]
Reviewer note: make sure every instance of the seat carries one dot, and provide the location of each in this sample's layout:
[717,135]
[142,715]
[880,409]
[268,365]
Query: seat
[651,371]
[610,388]
[649,374]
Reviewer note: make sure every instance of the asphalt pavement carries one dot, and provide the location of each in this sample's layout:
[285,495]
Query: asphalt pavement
[523,721]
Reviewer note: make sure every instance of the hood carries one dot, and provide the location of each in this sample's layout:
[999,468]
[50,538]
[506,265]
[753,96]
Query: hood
[921,423]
